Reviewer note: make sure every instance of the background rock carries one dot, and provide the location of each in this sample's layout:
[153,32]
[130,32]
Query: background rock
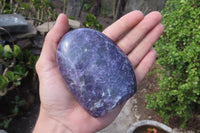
[108,4]
[73,8]
[13,23]
[74,24]
[45,27]
[38,41]
[145,6]
[30,32]
[23,44]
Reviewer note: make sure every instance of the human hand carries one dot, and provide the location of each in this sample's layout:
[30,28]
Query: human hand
[60,112]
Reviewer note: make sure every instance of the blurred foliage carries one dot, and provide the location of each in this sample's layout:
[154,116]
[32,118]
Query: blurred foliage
[17,103]
[179,55]
[106,12]
[16,64]
[5,123]
[92,22]
[40,10]
[87,6]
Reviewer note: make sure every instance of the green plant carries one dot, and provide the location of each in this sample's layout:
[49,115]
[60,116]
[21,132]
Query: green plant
[179,56]
[17,104]
[40,10]
[87,5]
[106,12]
[92,22]
[44,9]
[16,64]
[5,123]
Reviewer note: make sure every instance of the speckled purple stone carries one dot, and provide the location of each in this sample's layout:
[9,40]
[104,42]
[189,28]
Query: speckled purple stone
[95,70]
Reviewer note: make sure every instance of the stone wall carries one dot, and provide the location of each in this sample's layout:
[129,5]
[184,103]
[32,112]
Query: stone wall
[145,6]
[73,8]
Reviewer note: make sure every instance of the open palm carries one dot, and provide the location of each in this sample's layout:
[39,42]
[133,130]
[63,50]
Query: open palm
[133,33]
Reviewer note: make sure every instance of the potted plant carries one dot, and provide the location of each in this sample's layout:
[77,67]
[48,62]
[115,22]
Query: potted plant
[149,126]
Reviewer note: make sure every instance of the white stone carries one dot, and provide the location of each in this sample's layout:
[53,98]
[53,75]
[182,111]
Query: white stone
[74,24]
[46,27]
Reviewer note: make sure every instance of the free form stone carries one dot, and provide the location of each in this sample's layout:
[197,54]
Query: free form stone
[95,70]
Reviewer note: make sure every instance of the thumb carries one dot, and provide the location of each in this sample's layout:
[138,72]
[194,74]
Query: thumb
[48,54]
[53,37]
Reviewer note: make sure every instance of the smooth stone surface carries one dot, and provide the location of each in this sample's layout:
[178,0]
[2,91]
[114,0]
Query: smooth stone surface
[95,70]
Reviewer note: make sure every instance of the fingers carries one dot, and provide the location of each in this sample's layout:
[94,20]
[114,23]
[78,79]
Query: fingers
[138,33]
[145,65]
[123,25]
[145,45]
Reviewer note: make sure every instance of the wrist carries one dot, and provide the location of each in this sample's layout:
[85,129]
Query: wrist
[46,124]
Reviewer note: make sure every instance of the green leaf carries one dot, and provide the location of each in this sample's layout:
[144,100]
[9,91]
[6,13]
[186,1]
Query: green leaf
[13,78]
[26,54]
[7,52]
[32,61]
[7,11]
[1,51]
[6,123]
[17,50]
[20,70]
[15,111]
[92,22]
[7,48]
[174,92]
[21,103]
[17,83]
[10,75]
[3,82]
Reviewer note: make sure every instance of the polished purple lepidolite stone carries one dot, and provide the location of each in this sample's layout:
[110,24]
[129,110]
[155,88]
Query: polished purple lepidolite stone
[96,71]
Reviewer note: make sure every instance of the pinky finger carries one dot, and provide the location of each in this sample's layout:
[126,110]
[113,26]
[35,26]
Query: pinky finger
[145,65]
